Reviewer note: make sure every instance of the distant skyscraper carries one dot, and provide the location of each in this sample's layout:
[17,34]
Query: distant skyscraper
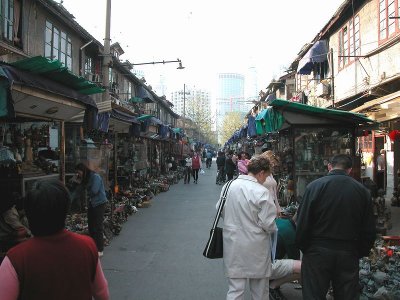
[230,95]
[161,88]
[179,101]
[251,87]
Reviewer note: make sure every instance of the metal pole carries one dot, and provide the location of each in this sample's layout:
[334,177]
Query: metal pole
[184,114]
[62,152]
[107,52]
[333,80]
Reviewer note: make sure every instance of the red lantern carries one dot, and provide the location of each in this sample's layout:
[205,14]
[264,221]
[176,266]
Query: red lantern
[394,135]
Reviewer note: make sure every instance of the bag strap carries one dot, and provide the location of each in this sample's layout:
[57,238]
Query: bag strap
[221,203]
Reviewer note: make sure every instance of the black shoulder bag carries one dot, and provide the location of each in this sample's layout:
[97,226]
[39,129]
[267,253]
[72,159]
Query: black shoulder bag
[214,247]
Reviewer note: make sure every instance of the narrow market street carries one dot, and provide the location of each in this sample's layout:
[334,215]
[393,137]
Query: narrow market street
[158,254]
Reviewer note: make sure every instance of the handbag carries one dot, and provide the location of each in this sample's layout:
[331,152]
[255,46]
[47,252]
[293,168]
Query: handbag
[214,246]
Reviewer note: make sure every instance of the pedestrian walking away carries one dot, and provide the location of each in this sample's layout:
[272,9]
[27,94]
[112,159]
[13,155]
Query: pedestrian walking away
[188,169]
[55,263]
[208,159]
[249,221]
[230,165]
[196,166]
[221,168]
[96,195]
[335,227]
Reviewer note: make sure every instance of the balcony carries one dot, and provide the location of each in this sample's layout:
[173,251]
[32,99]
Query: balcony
[93,77]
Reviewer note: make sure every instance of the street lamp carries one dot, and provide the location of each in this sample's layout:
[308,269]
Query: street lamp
[180,67]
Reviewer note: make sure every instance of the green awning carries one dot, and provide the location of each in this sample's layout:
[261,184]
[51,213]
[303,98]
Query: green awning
[136,100]
[54,70]
[177,130]
[335,114]
[144,117]
[140,100]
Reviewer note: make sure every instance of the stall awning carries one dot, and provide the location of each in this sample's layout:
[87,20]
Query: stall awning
[55,70]
[303,111]
[33,95]
[145,94]
[144,117]
[120,115]
[382,109]
[318,53]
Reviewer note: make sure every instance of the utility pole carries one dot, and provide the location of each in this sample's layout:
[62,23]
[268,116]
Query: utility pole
[107,53]
[184,114]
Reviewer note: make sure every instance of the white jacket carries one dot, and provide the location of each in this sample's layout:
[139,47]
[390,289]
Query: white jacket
[249,220]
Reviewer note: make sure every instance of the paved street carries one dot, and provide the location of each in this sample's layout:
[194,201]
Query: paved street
[158,254]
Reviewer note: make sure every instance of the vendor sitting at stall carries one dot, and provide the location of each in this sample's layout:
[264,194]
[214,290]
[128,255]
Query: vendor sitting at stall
[13,223]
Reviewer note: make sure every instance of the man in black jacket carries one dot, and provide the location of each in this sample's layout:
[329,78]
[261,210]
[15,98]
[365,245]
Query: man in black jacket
[335,227]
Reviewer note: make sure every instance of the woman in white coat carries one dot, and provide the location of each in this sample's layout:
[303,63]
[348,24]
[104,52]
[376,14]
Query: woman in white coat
[249,220]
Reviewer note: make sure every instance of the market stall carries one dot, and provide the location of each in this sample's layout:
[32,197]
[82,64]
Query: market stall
[305,138]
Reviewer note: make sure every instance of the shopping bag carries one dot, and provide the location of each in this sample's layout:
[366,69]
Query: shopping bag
[202,172]
[214,247]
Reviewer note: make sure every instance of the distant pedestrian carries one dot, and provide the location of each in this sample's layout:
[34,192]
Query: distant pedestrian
[243,160]
[335,227]
[230,166]
[221,167]
[249,220]
[188,169]
[55,263]
[196,166]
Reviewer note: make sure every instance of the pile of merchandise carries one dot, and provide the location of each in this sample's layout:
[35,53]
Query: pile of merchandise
[380,272]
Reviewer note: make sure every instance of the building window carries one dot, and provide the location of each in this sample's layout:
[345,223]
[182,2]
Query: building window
[349,42]
[58,45]
[7,13]
[89,66]
[389,25]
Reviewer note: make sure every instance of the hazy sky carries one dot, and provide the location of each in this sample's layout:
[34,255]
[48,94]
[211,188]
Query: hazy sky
[209,36]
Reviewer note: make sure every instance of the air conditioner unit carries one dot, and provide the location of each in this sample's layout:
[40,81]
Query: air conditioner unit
[322,89]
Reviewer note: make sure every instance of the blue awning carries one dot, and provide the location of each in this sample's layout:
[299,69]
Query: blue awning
[119,115]
[318,53]
[154,120]
[145,94]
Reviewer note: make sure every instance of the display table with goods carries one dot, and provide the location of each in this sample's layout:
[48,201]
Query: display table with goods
[380,272]
[29,151]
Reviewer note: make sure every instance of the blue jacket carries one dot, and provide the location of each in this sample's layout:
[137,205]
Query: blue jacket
[95,190]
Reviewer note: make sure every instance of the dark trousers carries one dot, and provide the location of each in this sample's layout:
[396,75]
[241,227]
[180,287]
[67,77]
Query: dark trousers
[195,174]
[221,175]
[322,266]
[188,170]
[95,223]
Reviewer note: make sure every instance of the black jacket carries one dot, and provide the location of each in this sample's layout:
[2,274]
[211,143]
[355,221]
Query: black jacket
[230,166]
[336,212]
[220,161]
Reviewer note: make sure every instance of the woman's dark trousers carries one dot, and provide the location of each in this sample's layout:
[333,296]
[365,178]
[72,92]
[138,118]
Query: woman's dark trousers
[95,223]
[187,174]
[195,174]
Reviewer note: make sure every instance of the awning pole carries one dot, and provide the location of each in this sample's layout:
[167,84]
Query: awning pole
[62,152]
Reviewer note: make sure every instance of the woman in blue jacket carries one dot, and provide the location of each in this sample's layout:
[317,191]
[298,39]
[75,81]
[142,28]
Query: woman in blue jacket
[96,195]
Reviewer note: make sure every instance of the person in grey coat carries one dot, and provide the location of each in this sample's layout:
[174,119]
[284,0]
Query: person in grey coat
[249,221]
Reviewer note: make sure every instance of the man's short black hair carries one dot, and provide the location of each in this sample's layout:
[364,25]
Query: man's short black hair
[46,207]
[342,161]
